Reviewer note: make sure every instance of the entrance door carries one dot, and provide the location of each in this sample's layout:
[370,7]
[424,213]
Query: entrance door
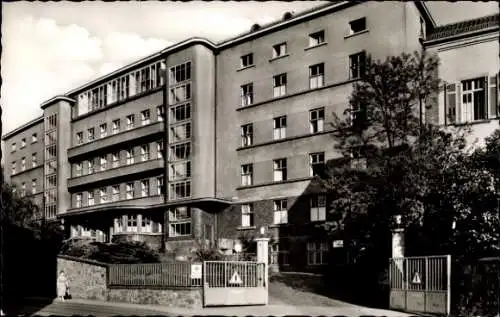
[420,284]
[228,283]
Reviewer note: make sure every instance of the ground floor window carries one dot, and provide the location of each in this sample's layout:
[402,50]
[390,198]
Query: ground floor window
[279,254]
[137,223]
[179,221]
[317,253]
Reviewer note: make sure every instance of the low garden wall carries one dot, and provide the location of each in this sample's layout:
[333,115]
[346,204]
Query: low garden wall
[91,280]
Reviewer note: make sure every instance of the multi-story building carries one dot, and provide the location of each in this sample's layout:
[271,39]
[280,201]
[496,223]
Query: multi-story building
[205,141]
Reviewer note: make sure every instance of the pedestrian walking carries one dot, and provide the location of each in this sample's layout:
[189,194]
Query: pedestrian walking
[62,286]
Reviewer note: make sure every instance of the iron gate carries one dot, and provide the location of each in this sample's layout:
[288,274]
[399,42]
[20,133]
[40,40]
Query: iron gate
[420,284]
[227,283]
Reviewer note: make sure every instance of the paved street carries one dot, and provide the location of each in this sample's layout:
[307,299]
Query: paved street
[97,308]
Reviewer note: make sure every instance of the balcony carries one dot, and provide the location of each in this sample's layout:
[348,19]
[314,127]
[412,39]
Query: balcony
[116,139]
[139,203]
[118,172]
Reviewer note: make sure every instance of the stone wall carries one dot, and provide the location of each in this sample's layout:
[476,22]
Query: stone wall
[87,279]
[183,298]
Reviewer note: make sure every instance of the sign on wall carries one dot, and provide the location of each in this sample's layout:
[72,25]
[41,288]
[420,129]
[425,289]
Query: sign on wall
[196,271]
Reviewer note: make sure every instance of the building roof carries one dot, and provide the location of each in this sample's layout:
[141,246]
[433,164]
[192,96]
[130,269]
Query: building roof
[468,26]
[22,128]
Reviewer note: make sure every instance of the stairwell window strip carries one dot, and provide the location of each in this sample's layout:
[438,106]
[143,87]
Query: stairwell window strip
[279,85]
[280,211]
[246,175]
[318,207]
[316,76]
[247,216]
[316,120]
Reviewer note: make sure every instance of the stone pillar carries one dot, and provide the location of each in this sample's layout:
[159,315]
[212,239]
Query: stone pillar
[263,257]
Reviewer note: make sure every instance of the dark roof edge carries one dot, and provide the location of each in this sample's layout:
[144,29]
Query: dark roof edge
[47,103]
[424,10]
[454,37]
[22,128]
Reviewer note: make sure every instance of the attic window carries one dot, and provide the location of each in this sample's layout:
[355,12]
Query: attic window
[255,27]
[287,16]
[357,26]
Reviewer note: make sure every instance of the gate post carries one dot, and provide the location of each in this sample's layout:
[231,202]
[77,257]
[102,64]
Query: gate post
[263,257]
[398,239]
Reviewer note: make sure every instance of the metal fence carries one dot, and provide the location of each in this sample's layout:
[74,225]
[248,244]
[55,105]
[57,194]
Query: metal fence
[234,274]
[169,274]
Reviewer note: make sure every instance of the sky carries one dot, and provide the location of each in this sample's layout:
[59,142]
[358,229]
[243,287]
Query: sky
[50,48]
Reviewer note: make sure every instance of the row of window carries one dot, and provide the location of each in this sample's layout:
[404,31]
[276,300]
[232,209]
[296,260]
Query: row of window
[316,125]
[23,188]
[316,167]
[34,139]
[317,211]
[315,39]
[34,163]
[317,253]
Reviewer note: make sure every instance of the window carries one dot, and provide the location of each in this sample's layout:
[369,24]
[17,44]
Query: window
[115,159]
[279,131]
[246,95]
[280,254]
[129,190]
[317,253]
[357,26]
[103,130]
[180,113]
[279,85]
[90,198]
[50,122]
[180,132]
[23,143]
[180,73]
[146,224]
[318,207]
[50,167]
[13,167]
[129,155]
[247,135]
[51,181]
[13,147]
[247,215]
[115,126]
[180,93]
[130,121]
[279,167]
[160,185]
[115,191]
[79,137]
[103,162]
[160,113]
[34,138]
[279,50]
[316,38]
[180,221]
[78,169]
[474,105]
[180,170]
[33,186]
[144,152]
[246,60]
[50,138]
[23,163]
[159,149]
[357,64]
[34,162]
[280,211]
[78,200]
[50,152]
[91,134]
[180,152]
[317,164]
[316,76]
[132,223]
[316,120]
[246,174]
[91,166]
[358,116]
[145,188]
[180,190]
[145,117]
[103,195]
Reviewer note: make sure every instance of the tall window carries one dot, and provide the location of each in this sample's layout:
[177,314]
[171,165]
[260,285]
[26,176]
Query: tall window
[33,186]
[317,253]
[103,130]
[130,121]
[246,60]
[357,65]
[115,191]
[103,195]
[23,163]
[180,73]
[180,113]
[90,198]
[318,207]
[103,162]
[115,126]
[246,95]
[13,167]
[316,120]
[246,135]
[279,85]
[160,113]
[34,162]
[474,105]
[145,117]
[159,149]
[279,129]
[280,211]
[129,155]
[316,38]
[317,164]
[115,159]
[23,143]
[179,190]
[247,215]
[78,169]
[91,134]
[129,190]
[279,167]
[34,138]
[90,166]
[79,137]
[180,221]
[78,200]
[246,174]
[160,185]
[145,188]
[279,50]
[144,152]
[316,76]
